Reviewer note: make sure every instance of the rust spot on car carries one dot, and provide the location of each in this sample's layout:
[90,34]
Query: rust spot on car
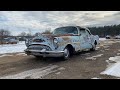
[65,38]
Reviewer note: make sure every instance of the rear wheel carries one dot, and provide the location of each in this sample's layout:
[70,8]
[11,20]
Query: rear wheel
[94,46]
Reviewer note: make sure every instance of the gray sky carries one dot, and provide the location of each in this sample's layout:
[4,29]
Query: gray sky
[38,21]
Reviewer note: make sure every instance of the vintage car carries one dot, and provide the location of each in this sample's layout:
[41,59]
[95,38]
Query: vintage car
[9,41]
[64,42]
[117,37]
[108,37]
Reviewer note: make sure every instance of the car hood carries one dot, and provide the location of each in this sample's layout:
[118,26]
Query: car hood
[51,37]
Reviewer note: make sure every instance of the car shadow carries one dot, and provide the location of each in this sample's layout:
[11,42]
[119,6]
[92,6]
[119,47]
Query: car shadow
[59,59]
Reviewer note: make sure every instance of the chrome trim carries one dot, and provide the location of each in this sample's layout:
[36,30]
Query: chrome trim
[45,53]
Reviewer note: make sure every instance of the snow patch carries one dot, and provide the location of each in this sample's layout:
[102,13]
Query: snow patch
[57,73]
[95,78]
[107,49]
[12,48]
[118,53]
[61,68]
[5,55]
[99,55]
[94,57]
[33,74]
[86,54]
[106,46]
[23,54]
[102,39]
[113,69]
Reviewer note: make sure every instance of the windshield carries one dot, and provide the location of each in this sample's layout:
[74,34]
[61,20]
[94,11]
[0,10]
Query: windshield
[66,30]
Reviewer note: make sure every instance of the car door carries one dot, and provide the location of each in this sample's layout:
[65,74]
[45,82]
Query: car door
[88,39]
[85,41]
[82,39]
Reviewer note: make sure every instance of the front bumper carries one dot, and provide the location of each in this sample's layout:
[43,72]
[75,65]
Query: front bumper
[44,53]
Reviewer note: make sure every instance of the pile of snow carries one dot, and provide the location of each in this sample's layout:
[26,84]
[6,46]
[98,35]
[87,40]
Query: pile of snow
[102,39]
[113,68]
[12,48]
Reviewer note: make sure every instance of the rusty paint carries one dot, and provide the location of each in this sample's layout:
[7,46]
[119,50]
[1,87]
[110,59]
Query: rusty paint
[65,38]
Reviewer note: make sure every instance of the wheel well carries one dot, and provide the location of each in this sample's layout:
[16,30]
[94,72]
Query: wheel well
[71,49]
[95,42]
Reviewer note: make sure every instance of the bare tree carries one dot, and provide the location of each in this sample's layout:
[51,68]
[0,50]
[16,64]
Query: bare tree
[22,34]
[37,34]
[3,34]
[47,32]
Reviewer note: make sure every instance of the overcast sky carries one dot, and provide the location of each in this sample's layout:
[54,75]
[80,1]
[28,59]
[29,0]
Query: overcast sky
[38,21]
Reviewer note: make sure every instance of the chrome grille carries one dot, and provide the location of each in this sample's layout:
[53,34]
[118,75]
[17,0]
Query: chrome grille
[39,47]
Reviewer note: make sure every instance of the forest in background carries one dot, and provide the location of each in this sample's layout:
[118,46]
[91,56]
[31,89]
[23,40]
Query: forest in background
[102,31]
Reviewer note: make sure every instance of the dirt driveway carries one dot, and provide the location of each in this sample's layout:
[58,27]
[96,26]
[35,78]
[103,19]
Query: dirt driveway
[85,65]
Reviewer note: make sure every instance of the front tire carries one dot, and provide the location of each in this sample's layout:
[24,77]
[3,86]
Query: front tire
[66,54]
[38,57]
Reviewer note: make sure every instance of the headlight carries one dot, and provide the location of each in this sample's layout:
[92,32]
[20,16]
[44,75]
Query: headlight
[55,43]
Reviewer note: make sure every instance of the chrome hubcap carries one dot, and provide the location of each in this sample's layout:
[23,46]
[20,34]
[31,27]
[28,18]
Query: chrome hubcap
[66,53]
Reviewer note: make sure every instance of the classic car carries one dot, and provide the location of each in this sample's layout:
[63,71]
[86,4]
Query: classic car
[9,41]
[117,37]
[63,42]
[108,37]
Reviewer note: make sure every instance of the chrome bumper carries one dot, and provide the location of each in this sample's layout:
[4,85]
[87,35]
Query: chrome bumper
[44,53]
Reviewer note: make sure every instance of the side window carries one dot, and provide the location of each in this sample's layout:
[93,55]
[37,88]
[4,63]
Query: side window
[82,32]
[74,30]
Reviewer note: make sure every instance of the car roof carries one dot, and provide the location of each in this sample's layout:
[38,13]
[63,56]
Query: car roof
[75,26]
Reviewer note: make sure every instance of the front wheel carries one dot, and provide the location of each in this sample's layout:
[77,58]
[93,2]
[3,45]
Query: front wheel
[38,57]
[93,48]
[66,54]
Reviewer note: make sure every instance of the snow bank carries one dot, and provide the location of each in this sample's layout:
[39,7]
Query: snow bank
[12,48]
[113,68]
[102,39]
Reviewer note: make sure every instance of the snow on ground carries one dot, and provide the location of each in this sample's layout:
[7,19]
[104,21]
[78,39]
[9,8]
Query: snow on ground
[113,69]
[94,57]
[13,48]
[95,78]
[5,55]
[35,73]
[23,54]
[102,39]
